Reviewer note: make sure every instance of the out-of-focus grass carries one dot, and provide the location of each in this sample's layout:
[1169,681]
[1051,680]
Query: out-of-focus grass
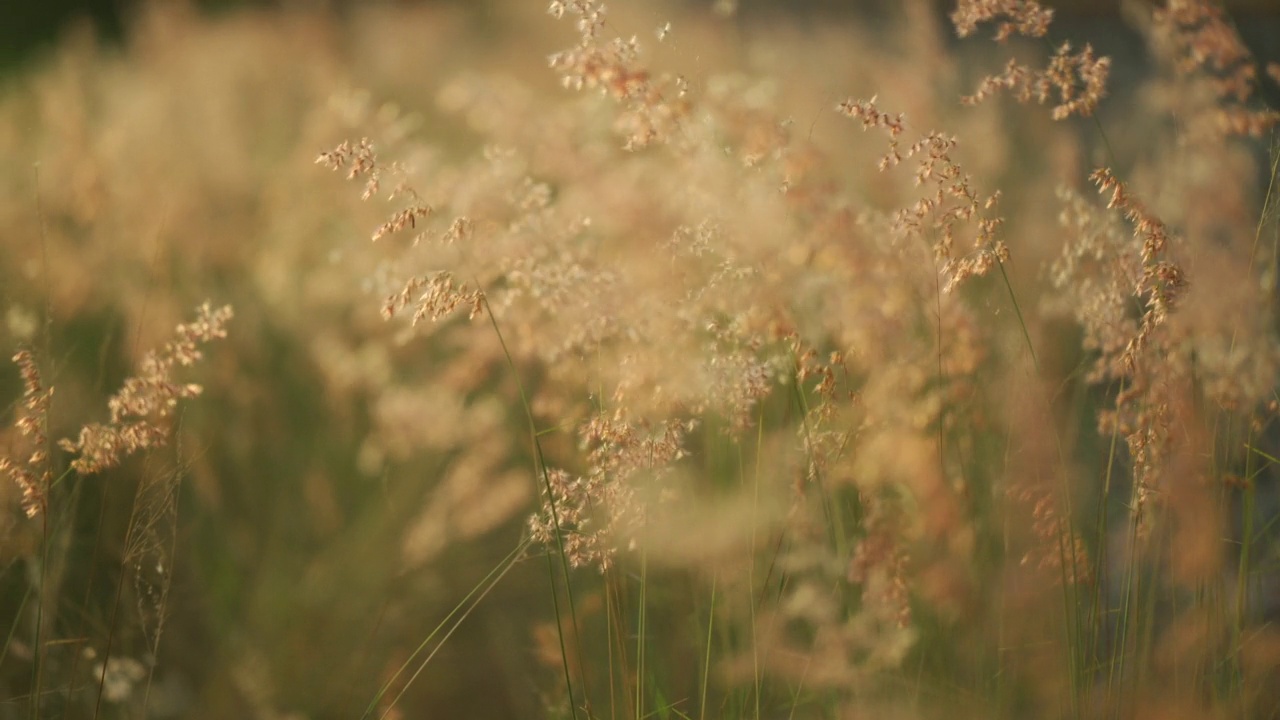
[344,483]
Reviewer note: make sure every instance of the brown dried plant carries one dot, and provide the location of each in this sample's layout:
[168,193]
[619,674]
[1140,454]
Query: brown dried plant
[33,473]
[711,321]
[652,107]
[1198,38]
[606,509]
[1076,81]
[749,374]
[1024,17]
[678,273]
[141,410]
[952,202]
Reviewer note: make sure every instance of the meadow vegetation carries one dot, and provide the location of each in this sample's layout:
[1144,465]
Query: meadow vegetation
[650,361]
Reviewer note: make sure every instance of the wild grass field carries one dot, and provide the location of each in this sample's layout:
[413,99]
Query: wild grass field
[546,359]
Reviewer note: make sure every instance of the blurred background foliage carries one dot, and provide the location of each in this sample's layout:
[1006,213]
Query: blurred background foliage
[158,157]
[32,27]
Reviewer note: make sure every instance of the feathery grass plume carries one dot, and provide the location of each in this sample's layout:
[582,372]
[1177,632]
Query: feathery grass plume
[1104,272]
[850,412]
[953,200]
[140,409]
[1208,191]
[1161,279]
[435,295]
[32,473]
[1024,17]
[652,107]
[1057,550]
[1198,38]
[1076,82]
[604,510]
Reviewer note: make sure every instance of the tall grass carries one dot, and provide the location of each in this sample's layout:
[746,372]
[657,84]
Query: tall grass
[677,362]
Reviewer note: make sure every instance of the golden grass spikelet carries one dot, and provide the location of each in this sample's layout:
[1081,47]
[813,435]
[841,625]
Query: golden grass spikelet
[1056,550]
[602,512]
[653,107]
[433,298]
[950,202]
[32,474]
[360,160]
[1024,17]
[1133,352]
[1076,81]
[1198,38]
[1162,279]
[139,408]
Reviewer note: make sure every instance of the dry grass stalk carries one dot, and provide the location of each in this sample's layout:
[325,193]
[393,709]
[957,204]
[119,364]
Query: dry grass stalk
[32,473]
[141,409]
[1024,17]
[952,202]
[1199,39]
[732,331]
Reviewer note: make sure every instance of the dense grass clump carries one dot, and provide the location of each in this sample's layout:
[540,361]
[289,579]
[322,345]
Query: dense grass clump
[664,362]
